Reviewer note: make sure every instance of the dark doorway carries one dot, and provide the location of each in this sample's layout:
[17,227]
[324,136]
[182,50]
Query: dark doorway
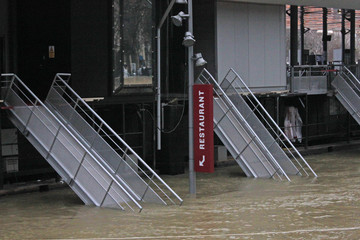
[43,35]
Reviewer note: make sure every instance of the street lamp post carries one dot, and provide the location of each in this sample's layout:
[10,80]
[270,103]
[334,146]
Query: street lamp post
[189,15]
[192,174]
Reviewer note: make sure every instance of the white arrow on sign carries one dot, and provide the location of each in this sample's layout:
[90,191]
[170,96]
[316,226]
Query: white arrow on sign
[201,162]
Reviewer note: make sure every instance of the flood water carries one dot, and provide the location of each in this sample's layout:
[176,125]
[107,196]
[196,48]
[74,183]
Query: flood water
[228,206]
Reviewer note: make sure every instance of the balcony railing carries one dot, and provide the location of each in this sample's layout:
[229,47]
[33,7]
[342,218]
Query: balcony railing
[315,79]
[310,79]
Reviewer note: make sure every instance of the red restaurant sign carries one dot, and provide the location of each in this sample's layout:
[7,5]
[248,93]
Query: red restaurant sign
[203,128]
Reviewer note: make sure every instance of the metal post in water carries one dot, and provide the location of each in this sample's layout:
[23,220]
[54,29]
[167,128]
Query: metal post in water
[192,175]
[158,90]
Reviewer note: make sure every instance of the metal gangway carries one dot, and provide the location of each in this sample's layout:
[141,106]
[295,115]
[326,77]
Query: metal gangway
[347,91]
[95,171]
[249,133]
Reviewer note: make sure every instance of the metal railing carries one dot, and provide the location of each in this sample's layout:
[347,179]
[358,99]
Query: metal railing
[310,79]
[347,87]
[275,171]
[60,147]
[100,139]
[234,84]
[350,78]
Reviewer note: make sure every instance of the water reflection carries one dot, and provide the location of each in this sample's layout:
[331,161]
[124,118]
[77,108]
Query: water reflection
[227,206]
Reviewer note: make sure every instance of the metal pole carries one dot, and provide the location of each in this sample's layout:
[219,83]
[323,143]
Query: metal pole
[192,175]
[143,132]
[294,36]
[302,35]
[352,37]
[158,90]
[325,34]
[343,33]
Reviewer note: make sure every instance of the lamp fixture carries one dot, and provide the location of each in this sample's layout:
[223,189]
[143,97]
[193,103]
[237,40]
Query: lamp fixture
[199,60]
[177,19]
[181,1]
[188,40]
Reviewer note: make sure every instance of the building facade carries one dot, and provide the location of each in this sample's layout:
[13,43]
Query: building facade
[109,47]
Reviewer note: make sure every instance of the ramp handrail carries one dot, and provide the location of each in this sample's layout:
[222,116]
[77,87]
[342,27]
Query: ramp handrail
[222,94]
[62,87]
[30,103]
[354,81]
[268,119]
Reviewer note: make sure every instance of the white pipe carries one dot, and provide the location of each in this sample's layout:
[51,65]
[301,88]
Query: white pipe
[158,91]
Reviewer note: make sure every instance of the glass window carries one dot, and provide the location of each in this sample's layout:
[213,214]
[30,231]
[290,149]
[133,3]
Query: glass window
[132,43]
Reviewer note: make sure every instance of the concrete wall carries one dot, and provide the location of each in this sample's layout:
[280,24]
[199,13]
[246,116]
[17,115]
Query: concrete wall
[251,39]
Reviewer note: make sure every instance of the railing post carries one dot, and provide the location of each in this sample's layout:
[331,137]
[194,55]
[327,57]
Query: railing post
[306,122]
[292,79]
[73,112]
[9,87]
[31,114]
[53,142]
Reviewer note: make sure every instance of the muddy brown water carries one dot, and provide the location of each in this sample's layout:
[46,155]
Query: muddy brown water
[227,206]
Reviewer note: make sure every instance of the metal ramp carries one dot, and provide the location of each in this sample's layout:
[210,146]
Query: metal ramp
[124,164]
[249,133]
[92,178]
[347,88]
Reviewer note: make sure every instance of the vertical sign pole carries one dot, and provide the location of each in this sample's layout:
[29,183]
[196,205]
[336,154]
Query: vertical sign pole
[192,175]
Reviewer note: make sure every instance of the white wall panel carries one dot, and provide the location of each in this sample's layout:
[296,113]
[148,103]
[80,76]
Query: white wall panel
[242,39]
[273,46]
[256,46]
[251,39]
[227,46]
